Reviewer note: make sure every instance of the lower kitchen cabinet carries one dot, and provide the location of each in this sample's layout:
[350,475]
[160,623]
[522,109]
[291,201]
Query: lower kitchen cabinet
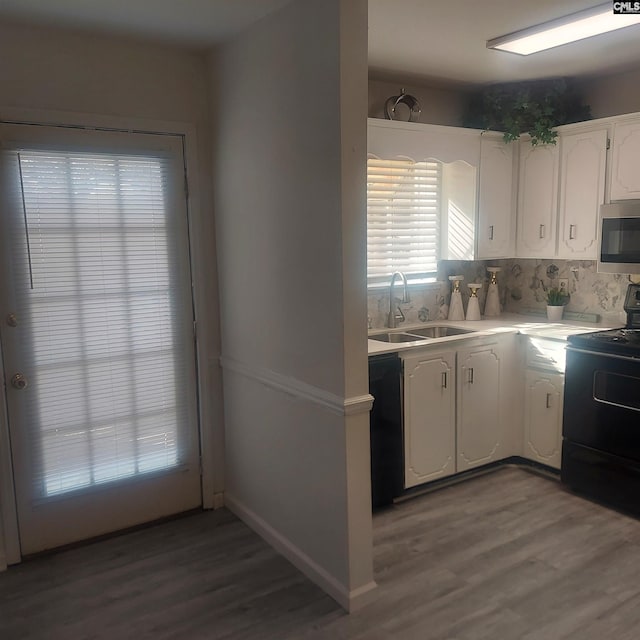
[479,428]
[453,417]
[543,417]
[429,416]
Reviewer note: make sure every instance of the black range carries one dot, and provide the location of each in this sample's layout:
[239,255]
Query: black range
[601,419]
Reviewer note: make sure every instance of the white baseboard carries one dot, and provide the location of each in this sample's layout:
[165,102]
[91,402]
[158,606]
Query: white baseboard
[350,600]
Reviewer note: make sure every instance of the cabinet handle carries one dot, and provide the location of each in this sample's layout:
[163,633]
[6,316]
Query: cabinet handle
[548,401]
[572,232]
[542,231]
[490,232]
[470,375]
[444,379]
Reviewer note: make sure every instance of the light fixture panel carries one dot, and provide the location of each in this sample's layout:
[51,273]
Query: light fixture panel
[572,28]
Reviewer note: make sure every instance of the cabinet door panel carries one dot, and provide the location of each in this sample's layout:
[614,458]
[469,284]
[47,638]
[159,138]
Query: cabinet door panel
[582,174]
[479,426]
[496,215]
[537,201]
[625,160]
[543,417]
[429,417]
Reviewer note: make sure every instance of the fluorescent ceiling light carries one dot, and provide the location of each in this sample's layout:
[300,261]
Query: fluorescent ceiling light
[577,26]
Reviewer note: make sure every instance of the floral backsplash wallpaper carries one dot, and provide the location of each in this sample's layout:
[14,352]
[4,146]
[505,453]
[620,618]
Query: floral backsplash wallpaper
[522,284]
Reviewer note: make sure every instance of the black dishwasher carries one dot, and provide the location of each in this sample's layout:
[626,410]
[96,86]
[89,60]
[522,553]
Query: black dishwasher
[387,455]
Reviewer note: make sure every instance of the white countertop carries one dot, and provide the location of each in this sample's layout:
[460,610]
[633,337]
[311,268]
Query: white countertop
[506,323]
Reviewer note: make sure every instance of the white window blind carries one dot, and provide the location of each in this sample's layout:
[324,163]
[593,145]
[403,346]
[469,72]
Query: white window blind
[99,290]
[403,205]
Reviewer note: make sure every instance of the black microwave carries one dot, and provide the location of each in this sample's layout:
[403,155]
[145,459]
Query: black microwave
[619,246]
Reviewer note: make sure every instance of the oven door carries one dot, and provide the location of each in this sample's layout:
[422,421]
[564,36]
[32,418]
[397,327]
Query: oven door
[601,428]
[602,402]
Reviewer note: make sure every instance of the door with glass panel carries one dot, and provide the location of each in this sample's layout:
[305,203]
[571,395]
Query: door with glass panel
[96,329]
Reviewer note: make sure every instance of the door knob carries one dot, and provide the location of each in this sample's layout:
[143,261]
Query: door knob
[18,381]
[12,320]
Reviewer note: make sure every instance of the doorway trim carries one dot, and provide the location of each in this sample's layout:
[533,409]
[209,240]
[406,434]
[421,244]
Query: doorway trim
[209,409]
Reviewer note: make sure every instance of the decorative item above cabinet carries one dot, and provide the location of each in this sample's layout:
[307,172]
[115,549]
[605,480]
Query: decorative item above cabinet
[404,108]
[533,107]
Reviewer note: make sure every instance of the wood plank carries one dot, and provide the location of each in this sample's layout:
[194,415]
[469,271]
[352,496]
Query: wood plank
[510,554]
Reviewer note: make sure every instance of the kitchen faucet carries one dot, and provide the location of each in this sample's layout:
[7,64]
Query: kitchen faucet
[396,315]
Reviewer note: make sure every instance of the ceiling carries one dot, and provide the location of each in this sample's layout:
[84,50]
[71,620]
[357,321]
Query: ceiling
[447,41]
[192,23]
[420,39]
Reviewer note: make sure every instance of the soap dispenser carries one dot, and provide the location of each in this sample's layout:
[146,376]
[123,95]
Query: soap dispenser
[492,304]
[456,310]
[473,308]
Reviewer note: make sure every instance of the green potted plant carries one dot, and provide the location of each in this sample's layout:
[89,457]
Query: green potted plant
[556,301]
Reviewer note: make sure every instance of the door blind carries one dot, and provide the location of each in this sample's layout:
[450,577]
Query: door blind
[98,289]
[403,204]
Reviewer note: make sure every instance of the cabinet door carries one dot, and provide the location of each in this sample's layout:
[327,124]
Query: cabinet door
[582,176]
[496,215]
[625,161]
[543,417]
[479,428]
[537,201]
[429,417]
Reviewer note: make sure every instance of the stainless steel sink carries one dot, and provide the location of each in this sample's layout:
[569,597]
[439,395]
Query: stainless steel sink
[438,331]
[396,337]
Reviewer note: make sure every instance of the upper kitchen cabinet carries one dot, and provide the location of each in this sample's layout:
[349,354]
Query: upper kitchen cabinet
[446,159]
[625,159]
[583,156]
[537,201]
[496,230]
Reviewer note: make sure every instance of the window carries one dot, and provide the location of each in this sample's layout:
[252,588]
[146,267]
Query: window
[403,218]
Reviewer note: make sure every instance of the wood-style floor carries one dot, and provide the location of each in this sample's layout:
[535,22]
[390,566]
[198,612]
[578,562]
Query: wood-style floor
[508,555]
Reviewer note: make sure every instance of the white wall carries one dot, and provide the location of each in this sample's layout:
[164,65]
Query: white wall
[613,94]
[66,76]
[289,167]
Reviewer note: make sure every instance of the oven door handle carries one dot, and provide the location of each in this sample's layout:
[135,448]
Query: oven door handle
[615,356]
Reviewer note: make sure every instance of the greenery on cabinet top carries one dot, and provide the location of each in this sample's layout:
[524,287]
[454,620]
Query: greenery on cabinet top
[532,107]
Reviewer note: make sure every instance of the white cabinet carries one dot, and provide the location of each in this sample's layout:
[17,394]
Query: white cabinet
[582,177]
[429,417]
[543,417]
[496,204]
[625,160]
[456,408]
[537,201]
[479,428]
[544,389]
[392,138]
